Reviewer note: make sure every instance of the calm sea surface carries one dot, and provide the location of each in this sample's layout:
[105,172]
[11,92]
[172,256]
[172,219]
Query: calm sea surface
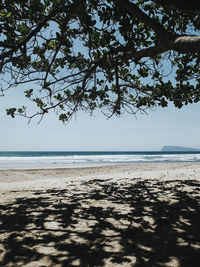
[62,159]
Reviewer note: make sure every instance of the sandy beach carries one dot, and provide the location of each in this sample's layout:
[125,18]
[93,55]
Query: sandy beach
[117,215]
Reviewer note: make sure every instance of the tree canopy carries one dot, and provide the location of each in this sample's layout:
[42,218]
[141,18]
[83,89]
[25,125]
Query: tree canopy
[116,55]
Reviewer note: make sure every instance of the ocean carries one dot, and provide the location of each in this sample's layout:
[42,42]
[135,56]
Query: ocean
[64,159]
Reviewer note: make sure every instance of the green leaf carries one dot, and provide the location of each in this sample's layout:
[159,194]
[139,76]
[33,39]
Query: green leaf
[11,112]
[28,93]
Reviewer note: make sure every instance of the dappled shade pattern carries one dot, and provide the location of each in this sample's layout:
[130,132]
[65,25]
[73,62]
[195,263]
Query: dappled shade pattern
[127,222]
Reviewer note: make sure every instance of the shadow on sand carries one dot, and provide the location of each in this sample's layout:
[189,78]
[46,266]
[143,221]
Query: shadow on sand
[104,223]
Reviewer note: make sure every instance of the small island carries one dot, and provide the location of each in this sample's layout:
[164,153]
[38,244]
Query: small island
[179,149]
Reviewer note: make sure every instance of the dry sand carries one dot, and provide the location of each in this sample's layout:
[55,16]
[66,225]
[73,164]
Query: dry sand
[118,215]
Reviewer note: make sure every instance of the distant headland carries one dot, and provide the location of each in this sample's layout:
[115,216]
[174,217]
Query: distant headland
[178,148]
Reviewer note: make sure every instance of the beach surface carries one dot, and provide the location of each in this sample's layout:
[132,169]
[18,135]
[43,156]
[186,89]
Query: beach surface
[116,215]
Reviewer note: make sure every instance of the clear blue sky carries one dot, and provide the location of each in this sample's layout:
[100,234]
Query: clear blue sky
[167,126]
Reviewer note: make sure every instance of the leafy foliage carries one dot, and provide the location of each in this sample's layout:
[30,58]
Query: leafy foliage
[114,55]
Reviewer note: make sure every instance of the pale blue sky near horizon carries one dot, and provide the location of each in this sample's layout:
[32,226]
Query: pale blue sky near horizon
[164,126]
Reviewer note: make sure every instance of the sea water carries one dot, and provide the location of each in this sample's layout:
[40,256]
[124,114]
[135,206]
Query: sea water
[64,159]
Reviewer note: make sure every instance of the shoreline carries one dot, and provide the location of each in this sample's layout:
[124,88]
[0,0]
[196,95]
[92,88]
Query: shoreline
[95,165]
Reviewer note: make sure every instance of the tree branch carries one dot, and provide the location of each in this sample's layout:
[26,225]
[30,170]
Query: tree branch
[32,33]
[187,44]
[183,5]
[148,52]
[182,44]
[135,11]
